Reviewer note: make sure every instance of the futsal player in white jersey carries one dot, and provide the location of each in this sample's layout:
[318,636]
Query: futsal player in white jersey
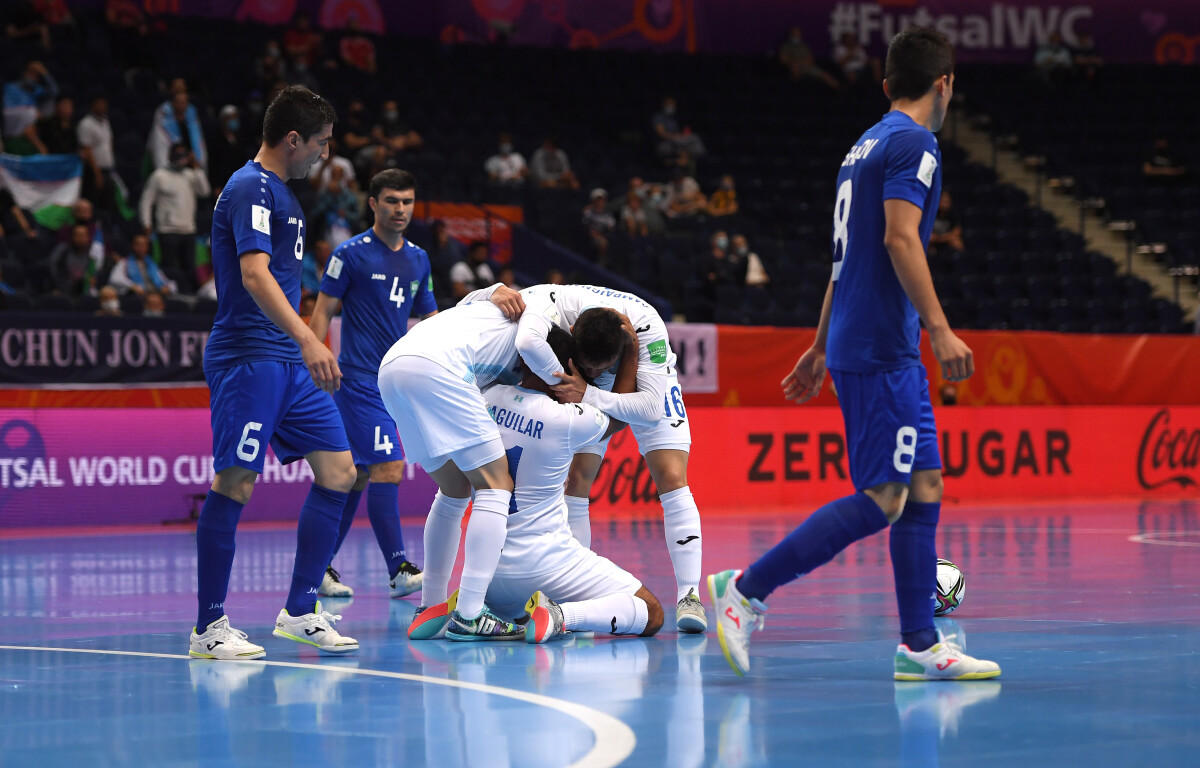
[573,588]
[431,382]
[655,413]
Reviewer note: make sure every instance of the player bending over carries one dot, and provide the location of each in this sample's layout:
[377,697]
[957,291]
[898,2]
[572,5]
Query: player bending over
[888,191]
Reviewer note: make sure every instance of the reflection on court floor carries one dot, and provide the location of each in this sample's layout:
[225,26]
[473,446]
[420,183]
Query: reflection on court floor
[1093,611]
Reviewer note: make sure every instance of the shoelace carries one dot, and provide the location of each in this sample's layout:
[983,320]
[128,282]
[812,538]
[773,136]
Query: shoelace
[236,633]
[336,576]
[330,618]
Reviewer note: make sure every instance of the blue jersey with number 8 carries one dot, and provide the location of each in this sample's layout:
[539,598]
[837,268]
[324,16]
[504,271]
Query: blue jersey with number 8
[873,326]
[255,212]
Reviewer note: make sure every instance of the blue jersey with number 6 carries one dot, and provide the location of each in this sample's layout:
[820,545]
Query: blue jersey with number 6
[256,212]
[873,326]
[380,289]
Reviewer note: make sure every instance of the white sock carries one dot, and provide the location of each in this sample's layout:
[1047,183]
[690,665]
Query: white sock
[577,518]
[681,522]
[485,538]
[619,614]
[443,527]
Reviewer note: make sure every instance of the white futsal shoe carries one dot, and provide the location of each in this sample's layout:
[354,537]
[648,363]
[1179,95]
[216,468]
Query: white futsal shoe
[332,586]
[737,618]
[221,641]
[315,629]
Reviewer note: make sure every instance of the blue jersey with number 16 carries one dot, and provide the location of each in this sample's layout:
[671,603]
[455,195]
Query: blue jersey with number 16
[256,212]
[380,289]
[873,326]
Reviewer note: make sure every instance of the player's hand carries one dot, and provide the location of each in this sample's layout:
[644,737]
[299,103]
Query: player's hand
[805,380]
[510,302]
[955,357]
[322,365]
[571,386]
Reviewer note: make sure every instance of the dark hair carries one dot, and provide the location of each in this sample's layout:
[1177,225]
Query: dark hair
[916,59]
[478,244]
[563,345]
[298,109]
[599,335]
[392,178]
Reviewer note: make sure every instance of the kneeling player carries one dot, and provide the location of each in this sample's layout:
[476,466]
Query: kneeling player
[574,589]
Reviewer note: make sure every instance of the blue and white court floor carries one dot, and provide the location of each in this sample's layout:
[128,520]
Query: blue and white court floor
[1093,611]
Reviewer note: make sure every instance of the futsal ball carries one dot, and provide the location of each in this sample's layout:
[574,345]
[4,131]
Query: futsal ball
[951,587]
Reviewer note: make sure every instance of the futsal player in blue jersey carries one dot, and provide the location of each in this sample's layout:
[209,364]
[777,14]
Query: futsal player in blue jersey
[888,190]
[381,280]
[270,377]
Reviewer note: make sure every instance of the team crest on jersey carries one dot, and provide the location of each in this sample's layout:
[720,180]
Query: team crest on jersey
[334,269]
[260,219]
[657,351]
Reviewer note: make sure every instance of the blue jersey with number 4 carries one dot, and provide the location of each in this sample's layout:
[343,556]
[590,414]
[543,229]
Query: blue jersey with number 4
[873,326]
[380,289]
[256,212]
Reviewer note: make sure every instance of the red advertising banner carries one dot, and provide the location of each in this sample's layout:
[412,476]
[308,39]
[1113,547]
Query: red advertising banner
[789,457]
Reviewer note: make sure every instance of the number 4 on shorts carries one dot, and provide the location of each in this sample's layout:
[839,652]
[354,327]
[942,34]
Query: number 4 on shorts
[382,441]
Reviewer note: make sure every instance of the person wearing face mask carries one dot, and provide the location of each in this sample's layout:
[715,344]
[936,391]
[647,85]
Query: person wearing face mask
[153,305]
[168,208]
[230,151]
[399,134]
[26,100]
[724,201]
[138,272]
[110,303]
[673,138]
[507,166]
[752,266]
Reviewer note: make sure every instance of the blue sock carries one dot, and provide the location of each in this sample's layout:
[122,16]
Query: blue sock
[214,555]
[826,532]
[347,520]
[315,536]
[913,545]
[383,507]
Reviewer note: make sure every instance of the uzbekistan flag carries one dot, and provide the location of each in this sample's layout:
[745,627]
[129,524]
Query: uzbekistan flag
[37,181]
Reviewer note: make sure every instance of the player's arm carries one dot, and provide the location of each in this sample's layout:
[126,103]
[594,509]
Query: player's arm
[626,381]
[532,330]
[510,302]
[264,289]
[643,405]
[902,238]
[327,306]
[806,378]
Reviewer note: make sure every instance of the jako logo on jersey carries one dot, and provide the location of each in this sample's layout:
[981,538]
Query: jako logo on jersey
[378,276]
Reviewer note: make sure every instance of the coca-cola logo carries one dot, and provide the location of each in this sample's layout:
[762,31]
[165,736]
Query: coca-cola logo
[625,480]
[1174,453]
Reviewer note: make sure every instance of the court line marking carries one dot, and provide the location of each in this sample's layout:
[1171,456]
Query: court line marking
[613,741]
[1155,537]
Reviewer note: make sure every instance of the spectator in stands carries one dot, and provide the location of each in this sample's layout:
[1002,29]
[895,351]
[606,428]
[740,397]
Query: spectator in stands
[24,101]
[671,137]
[336,214]
[551,168]
[444,251]
[139,272]
[796,57]
[110,303]
[229,150]
[508,278]
[72,267]
[354,132]
[752,266]
[684,198]
[599,224]
[24,25]
[399,135]
[1162,165]
[168,208]
[554,277]
[724,201]
[853,60]
[301,43]
[634,221]
[12,218]
[720,268]
[1053,59]
[95,137]
[507,166]
[153,304]
[1086,58]
[130,32]
[356,50]
[322,171]
[472,274]
[177,121]
[313,268]
[270,67]
[57,130]
[947,233]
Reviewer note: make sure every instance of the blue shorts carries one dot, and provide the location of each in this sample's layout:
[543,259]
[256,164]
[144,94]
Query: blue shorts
[890,431]
[269,401]
[369,427]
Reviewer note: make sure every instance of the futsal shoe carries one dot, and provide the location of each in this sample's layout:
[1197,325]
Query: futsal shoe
[545,620]
[737,617]
[486,626]
[406,581]
[429,622]
[689,614]
[943,660]
[315,629]
[332,586]
[221,641]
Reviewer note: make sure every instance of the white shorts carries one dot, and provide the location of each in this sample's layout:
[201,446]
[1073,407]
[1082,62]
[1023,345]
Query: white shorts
[670,432]
[584,575]
[439,416]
